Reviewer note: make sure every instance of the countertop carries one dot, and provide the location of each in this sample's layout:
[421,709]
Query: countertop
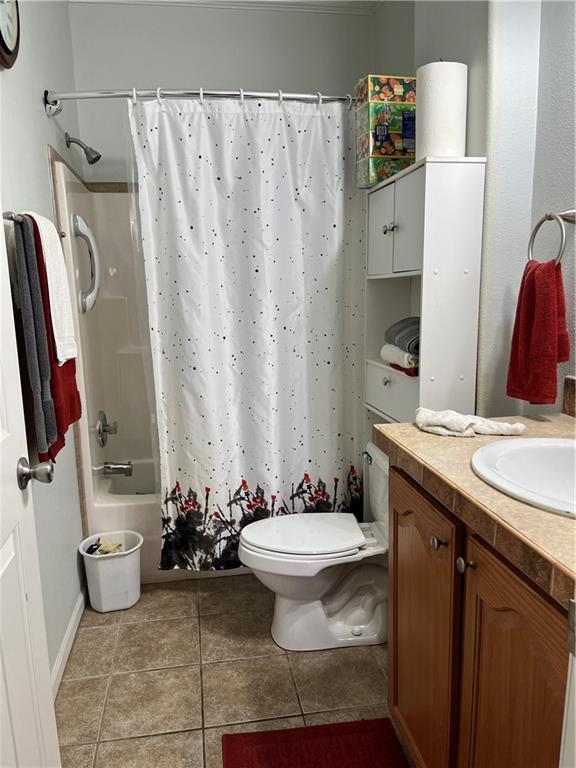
[540,544]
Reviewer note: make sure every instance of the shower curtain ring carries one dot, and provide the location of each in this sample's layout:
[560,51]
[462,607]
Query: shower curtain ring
[201,94]
[241,92]
[280,96]
[319,98]
[134,96]
[349,100]
[159,95]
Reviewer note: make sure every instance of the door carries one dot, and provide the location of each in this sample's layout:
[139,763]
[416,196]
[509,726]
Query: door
[424,620]
[380,231]
[409,221]
[28,734]
[514,669]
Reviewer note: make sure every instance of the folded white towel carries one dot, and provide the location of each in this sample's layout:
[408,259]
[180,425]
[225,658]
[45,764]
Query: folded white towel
[390,353]
[58,290]
[453,424]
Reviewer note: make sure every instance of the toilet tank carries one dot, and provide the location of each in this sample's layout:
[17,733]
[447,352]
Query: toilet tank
[376,504]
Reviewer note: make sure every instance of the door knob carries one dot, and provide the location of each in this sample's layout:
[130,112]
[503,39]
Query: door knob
[386,381]
[43,472]
[436,543]
[462,565]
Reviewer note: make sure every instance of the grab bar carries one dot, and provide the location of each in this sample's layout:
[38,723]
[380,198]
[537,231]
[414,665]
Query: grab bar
[81,229]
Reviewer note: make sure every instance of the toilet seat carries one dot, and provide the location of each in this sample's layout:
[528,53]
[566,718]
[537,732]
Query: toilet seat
[306,535]
[300,558]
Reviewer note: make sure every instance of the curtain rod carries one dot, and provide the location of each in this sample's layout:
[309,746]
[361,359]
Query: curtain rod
[53,99]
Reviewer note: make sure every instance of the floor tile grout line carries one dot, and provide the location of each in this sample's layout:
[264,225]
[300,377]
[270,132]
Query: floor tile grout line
[293,675]
[201,677]
[245,658]
[109,683]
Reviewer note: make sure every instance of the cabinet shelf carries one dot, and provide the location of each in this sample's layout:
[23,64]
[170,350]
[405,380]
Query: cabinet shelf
[395,276]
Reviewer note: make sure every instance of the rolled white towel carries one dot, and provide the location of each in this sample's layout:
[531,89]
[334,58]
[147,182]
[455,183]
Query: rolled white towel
[453,424]
[390,353]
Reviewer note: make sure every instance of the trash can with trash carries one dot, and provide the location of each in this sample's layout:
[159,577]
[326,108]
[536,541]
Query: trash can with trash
[112,563]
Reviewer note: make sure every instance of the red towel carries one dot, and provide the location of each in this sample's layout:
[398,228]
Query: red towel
[62,377]
[540,339]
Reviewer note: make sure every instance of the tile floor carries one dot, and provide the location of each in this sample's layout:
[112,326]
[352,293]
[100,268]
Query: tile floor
[157,685]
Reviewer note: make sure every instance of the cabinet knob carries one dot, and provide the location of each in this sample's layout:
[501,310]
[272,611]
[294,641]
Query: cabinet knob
[436,543]
[389,228]
[386,381]
[462,565]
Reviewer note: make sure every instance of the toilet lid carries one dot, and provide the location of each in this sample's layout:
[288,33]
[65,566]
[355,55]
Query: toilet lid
[314,533]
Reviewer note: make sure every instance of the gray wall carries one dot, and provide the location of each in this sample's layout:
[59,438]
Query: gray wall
[554,177]
[179,47]
[457,30]
[392,39]
[530,143]
[45,57]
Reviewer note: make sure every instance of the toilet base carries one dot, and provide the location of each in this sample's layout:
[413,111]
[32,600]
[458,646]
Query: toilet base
[337,621]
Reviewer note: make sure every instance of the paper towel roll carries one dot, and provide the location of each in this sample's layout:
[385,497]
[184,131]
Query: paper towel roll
[441,92]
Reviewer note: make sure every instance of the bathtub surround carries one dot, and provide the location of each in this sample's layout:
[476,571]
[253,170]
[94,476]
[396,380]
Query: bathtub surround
[252,252]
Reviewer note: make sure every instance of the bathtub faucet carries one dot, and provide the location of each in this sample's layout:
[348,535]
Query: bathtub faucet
[112,468]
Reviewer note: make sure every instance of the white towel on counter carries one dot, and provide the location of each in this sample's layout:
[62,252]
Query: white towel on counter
[390,353]
[453,424]
[58,290]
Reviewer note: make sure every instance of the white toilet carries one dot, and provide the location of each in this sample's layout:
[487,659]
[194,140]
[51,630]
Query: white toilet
[328,572]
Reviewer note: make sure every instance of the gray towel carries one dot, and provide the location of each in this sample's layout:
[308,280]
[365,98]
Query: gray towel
[29,334]
[405,334]
[40,331]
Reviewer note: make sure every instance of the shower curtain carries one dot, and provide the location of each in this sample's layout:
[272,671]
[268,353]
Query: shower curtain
[251,234]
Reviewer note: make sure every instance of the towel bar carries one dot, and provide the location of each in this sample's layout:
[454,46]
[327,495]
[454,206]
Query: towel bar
[564,216]
[11,216]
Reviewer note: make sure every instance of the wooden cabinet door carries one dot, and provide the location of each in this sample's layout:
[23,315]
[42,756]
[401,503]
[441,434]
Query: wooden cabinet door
[514,670]
[409,221]
[423,622]
[380,237]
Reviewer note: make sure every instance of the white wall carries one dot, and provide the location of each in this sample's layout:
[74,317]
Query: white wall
[129,45]
[45,56]
[457,30]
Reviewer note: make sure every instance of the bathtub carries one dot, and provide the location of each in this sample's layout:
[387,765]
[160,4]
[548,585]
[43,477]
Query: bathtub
[133,503]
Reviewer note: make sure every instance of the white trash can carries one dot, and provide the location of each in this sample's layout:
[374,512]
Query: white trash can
[114,579]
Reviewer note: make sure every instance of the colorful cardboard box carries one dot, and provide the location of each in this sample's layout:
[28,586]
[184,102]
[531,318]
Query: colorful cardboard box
[373,170]
[385,126]
[385,88]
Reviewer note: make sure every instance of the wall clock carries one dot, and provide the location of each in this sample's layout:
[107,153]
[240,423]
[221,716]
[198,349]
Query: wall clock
[9,32]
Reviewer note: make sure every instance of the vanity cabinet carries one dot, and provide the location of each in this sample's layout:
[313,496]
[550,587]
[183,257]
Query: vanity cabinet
[478,657]
[514,669]
[423,635]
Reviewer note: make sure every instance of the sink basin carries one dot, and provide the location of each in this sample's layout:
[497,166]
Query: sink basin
[539,471]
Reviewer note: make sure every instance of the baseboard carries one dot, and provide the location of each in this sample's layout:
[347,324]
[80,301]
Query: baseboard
[66,646]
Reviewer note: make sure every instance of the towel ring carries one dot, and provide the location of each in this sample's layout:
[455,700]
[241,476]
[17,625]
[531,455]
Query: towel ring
[549,217]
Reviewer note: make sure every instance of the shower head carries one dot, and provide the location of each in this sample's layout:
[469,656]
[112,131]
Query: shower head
[92,156]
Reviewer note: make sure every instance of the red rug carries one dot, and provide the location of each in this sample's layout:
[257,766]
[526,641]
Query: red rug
[363,744]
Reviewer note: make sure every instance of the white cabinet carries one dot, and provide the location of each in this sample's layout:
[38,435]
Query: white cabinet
[424,252]
[396,226]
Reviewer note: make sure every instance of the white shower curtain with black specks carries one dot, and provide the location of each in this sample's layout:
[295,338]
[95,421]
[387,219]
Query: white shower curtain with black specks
[251,231]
